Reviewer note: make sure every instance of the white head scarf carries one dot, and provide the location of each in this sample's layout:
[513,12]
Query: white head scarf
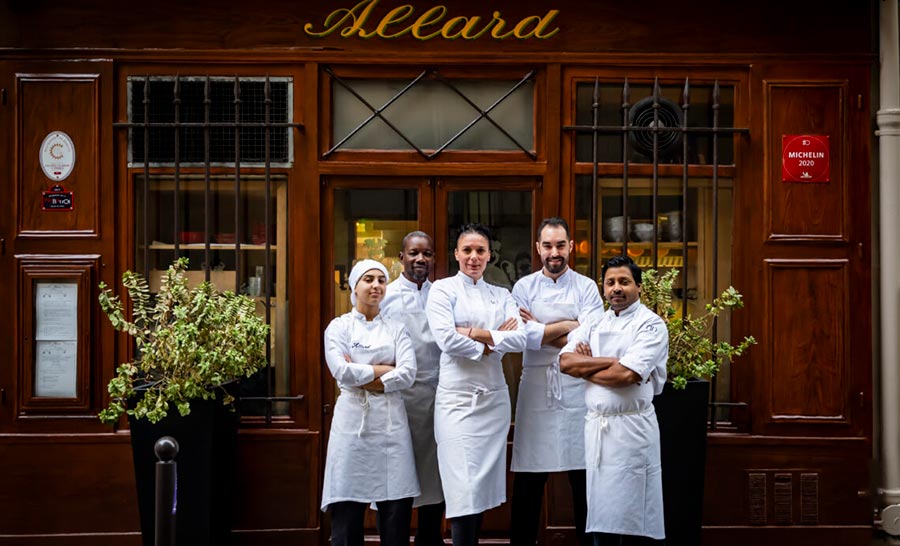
[359,270]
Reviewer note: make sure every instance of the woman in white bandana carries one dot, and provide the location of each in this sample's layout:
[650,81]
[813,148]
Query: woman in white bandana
[474,324]
[370,454]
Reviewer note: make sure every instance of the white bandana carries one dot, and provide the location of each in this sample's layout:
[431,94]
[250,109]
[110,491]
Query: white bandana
[359,270]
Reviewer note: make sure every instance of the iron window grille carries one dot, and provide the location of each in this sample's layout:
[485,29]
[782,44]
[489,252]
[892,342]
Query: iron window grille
[659,127]
[195,103]
[251,120]
[479,113]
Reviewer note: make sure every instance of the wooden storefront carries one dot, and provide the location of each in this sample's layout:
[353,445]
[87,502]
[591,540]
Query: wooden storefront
[790,459]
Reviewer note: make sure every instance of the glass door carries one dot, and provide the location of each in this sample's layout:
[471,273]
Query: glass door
[368,219]
[507,207]
[365,218]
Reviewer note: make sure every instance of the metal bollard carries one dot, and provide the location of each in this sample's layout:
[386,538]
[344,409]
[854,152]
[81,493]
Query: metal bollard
[166,450]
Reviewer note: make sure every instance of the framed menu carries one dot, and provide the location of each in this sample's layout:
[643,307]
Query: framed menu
[56,339]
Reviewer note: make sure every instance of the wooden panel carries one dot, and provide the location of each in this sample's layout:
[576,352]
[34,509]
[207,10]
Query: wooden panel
[278,480]
[802,210]
[82,539]
[59,486]
[54,484]
[808,325]
[756,481]
[58,102]
[860,535]
[276,537]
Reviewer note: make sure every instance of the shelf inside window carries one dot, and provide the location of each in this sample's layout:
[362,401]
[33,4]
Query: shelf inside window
[660,244]
[212,246]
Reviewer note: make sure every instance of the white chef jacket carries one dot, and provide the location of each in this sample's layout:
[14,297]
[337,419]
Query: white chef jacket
[549,432]
[472,409]
[624,477]
[370,453]
[405,302]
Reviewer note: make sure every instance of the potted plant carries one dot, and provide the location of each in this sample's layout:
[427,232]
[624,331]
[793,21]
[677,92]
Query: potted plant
[682,408]
[192,345]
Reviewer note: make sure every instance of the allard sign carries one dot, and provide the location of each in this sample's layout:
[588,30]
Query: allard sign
[436,22]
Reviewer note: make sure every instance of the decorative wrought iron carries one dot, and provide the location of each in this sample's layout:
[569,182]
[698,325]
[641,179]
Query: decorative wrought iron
[431,74]
[177,126]
[658,128]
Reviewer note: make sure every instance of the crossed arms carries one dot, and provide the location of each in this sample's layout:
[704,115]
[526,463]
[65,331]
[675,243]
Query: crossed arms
[555,333]
[484,336]
[602,370]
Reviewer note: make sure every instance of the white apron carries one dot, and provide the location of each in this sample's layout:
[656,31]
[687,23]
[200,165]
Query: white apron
[472,407]
[549,432]
[370,454]
[471,430]
[419,400]
[621,438]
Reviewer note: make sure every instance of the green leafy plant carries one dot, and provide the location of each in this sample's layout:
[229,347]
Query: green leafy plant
[692,352]
[190,343]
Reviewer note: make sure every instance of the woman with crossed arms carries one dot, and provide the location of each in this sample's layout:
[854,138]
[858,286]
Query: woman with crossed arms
[370,452]
[474,324]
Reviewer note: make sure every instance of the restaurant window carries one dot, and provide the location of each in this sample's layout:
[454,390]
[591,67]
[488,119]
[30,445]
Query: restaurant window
[669,114]
[430,113]
[654,178]
[212,196]
[158,143]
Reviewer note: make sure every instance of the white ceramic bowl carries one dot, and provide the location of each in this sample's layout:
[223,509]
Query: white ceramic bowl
[614,229]
[642,232]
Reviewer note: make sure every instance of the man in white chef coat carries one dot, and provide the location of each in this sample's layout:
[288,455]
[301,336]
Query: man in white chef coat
[550,410]
[405,301]
[622,454]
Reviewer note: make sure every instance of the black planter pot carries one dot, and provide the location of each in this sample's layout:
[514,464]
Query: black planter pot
[207,440]
[682,416]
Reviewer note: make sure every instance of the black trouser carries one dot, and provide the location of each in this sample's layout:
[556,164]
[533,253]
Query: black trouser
[609,539]
[527,498]
[428,531]
[393,522]
[465,529]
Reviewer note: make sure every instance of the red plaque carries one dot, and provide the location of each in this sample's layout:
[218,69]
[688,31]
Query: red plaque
[58,199]
[805,158]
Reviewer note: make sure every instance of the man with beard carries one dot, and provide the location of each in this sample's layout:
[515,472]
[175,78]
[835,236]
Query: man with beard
[405,301]
[549,431]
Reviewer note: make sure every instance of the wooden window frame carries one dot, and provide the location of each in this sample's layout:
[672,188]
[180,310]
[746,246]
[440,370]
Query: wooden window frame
[326,101]
[83,270]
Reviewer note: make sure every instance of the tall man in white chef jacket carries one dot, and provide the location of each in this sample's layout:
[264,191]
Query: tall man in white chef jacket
[550,410]
[622,354]
[405,301]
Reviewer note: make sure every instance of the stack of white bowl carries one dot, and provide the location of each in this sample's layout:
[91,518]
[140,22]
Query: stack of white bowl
[614,229]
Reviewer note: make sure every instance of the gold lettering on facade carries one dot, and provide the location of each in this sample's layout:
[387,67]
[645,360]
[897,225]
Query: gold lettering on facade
[447,31]
[470,26]
[354,21]
[519,30]
[498,29]
[430,17]
[545,22]
[396,15]
[337,18]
